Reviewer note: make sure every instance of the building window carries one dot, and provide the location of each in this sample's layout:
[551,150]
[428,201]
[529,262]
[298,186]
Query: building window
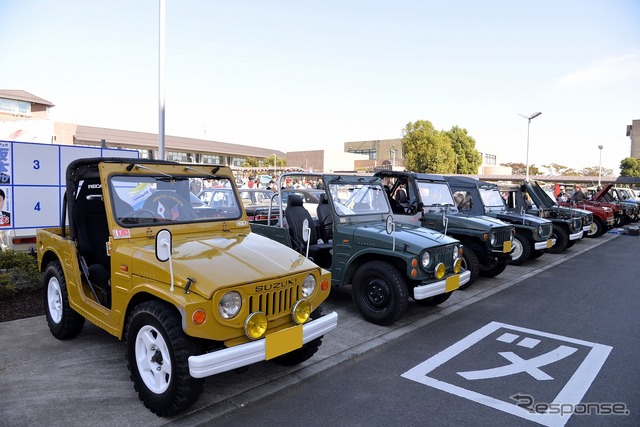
[178,157]
[15,107]
[368,152]
[489,159]
[237,161]
[211,160]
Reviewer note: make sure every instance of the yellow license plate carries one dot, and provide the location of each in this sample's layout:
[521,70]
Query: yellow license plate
[506,247]
[284,341]
[453,283]
[549,243]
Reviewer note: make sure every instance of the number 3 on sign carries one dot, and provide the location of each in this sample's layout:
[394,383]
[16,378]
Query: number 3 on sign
[37,207]
[36,164]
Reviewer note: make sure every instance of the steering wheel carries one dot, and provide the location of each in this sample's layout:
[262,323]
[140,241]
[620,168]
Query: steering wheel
[169,200]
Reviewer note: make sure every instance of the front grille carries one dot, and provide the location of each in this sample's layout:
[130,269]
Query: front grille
[443,254]
[546,230]
[274,303]
[502,235]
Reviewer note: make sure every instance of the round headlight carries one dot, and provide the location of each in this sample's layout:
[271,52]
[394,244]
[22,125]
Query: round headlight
[440,270]
[426,259]
[493,239]
[456,252]
[301,311]
[308,285]
[256,325]
[230,304]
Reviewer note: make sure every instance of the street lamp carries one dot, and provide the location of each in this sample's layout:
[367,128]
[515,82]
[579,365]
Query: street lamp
[275,158]
[529,118]
[600,167]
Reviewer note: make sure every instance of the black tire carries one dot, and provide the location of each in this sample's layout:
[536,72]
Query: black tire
[380,292]
[597,229]
[470,262]
[521,250]
[618,221]
[435,300]
[562,240]
[495,270]
[64,322]
[570,243]
[535,254]
[156,343]
[305,352]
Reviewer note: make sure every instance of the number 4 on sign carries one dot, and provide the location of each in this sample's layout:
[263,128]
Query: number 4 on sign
[37,207]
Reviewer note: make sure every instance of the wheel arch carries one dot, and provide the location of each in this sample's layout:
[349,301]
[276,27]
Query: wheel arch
[354,264]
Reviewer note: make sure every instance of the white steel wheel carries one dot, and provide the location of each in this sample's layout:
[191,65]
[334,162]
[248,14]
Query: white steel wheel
[153,359]
[54,300]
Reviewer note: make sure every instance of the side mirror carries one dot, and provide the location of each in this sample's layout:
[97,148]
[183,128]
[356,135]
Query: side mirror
[163,245]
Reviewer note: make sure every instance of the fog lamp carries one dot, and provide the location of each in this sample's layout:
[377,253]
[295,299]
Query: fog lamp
[440,270]
[301,311]
[457,265]
[256,325]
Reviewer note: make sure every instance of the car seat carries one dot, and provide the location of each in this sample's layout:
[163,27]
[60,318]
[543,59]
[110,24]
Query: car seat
[92,235]
[325,218]
[297,217]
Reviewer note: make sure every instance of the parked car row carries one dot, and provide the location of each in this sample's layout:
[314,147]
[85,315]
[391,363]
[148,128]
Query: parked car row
[385,247]
[197,286]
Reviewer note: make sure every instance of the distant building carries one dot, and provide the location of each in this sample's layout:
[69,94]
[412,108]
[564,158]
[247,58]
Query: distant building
[378,152]
[25,117]
[633,131]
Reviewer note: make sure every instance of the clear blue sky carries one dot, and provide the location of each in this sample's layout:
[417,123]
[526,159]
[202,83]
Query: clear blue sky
[294,75]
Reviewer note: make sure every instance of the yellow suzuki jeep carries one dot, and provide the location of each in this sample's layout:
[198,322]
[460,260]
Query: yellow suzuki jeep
[191,289]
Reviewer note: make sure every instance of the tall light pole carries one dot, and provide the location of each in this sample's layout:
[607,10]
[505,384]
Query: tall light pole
[529,118]
[600,167]
[274,165]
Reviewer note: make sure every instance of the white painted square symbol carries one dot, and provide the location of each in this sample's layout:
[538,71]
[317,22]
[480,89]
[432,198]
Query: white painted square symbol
[555,369]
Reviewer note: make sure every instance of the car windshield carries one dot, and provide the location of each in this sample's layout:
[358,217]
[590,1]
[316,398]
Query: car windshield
[148,199]
[256,197]
[435,195]
[492,199]
[352,199]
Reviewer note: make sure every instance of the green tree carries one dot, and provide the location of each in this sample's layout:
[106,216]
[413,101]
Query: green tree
[595,171]
[468,159]
[630,166]
[521,168]
[250,162]
[427,149]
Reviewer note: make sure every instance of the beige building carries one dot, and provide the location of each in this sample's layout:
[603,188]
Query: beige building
[378,152]
[25,117]
[633,132]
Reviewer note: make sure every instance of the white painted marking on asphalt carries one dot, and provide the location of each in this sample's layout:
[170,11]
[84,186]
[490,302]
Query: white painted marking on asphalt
[571,393]
[529,342]
[508,338]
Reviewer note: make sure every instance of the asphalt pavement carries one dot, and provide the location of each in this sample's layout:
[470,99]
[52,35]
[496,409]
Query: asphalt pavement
[85,381]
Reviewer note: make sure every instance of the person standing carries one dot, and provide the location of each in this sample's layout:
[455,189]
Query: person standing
[578,195]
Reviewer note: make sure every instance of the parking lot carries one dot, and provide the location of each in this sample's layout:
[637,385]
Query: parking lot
[86,381]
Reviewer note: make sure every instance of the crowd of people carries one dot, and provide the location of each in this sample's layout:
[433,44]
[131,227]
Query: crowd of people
[289,183]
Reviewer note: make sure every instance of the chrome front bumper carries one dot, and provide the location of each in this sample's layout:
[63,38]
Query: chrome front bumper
[440,287]
[544,245]
[253,352]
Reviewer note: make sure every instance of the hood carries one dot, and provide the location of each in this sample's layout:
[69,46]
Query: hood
[526,219]
[477,222]
[410,237]
[602,192]
[221,261]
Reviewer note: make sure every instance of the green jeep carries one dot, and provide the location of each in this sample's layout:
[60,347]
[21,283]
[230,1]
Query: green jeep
[357,239]
[426,200]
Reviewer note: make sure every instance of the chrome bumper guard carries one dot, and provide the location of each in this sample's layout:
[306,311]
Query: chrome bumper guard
[253,352]
[437,288]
